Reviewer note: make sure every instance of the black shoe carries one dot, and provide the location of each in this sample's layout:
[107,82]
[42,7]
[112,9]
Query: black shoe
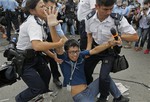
[57,82]
[101,100]
[121,99]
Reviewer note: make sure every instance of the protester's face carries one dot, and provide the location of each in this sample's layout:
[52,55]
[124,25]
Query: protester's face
[73,53]
[39,9]
[104,11]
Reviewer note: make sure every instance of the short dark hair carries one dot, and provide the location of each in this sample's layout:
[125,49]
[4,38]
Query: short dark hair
[30,4]
[53,1]
[71,43]
[105,2]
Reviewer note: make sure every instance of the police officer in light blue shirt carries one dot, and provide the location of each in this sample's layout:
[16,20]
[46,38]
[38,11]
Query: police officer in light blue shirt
[11,15]
[118,7]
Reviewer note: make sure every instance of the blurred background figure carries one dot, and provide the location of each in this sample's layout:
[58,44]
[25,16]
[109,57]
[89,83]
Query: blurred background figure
[10,8]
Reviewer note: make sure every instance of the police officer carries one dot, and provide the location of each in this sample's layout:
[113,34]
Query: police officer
[31,44]
[98,32]
[11,15]
[84,8]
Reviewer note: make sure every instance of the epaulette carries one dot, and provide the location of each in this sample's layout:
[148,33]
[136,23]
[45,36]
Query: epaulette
[116,16]
[91,14]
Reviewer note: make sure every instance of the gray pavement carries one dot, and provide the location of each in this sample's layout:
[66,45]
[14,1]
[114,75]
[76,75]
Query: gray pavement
[135,78]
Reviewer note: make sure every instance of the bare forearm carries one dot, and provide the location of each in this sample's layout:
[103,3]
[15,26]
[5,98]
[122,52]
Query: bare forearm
[130,37]
[54,35]
[89,41]
[43,46]
[99,48]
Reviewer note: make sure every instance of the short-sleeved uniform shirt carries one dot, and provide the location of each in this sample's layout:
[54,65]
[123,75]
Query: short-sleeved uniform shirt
[101,30]
[84,8]
[78,77]
[30,30]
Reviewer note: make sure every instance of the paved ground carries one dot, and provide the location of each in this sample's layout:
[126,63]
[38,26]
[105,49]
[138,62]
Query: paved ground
[136,78]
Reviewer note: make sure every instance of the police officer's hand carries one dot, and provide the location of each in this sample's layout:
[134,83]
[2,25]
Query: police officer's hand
[58,60]
[114,42]
[51,15]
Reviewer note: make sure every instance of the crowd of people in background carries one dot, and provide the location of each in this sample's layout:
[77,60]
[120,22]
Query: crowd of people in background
[39,33]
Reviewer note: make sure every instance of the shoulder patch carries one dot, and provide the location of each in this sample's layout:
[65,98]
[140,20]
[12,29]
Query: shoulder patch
[91,14]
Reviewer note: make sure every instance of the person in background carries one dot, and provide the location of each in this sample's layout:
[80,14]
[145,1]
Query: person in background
[69,23]
[148,19]
[143,28]
[118,7]
[11,15]
[84,8]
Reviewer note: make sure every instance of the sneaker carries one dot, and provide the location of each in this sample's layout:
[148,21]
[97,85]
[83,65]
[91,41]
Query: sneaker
[121,99]
[146,51]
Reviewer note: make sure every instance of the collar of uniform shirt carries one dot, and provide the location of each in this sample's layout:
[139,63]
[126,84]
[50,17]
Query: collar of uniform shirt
[108,19]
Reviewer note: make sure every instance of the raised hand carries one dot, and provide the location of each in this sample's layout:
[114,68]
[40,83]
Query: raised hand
[51,15]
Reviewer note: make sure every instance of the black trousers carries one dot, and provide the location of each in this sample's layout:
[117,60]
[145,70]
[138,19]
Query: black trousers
[106,66]
[11,17]
[54,68]
[83,35]
[36,75]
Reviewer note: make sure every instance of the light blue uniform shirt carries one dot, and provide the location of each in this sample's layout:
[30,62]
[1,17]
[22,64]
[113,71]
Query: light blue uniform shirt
[58,30]
[9,4]
[117,9]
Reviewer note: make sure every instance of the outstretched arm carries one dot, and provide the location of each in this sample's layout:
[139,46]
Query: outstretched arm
[52,22]
[104,46]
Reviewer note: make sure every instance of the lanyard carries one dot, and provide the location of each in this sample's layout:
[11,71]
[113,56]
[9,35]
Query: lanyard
[73,67]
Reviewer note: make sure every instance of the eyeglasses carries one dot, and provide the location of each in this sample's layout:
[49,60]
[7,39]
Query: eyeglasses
[74,52]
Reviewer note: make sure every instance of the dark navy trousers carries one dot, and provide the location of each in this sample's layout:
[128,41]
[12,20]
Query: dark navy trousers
[36,74]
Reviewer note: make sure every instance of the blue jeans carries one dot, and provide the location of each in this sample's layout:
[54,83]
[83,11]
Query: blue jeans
[71,29]
[139,31]
[89,94]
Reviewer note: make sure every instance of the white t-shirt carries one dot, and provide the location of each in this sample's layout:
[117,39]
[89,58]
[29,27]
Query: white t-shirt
[101,30]
[30,30]
[84,8]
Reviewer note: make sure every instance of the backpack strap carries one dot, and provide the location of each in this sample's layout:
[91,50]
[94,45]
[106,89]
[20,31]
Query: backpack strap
[117,18]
